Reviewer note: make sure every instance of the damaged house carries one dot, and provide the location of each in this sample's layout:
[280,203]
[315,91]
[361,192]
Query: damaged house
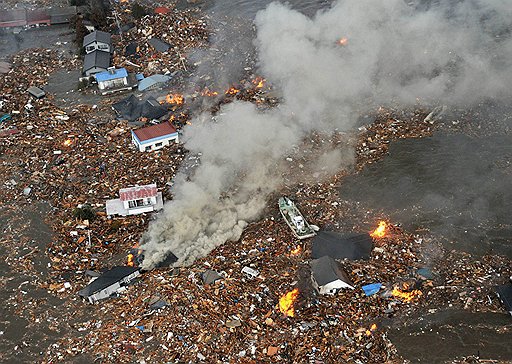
[328,277]
[132,108]
[109,283]
[155,137]
[136,200]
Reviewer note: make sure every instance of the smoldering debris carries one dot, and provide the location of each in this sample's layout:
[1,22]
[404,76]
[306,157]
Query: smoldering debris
[390,52]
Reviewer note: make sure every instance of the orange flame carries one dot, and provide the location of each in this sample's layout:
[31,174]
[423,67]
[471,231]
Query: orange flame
[371,330]
[406,296]
[259,82]
[296,251]
[130,262]
[176,99]
[380,232]
[207,92]
[232,91]
[68,142]
[286,302]
[343,41]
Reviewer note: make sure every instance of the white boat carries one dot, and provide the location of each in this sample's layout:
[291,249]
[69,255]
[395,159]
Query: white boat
[293,217]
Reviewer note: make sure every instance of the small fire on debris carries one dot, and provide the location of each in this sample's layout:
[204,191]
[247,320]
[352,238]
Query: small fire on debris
[381,230]
[134,256]
[296,251]
[232,91]
[68,142]
[287,301]
[405,294]
[176,99]
[343,41]
[371,330]
[208,92]
[259,82]
[130,261]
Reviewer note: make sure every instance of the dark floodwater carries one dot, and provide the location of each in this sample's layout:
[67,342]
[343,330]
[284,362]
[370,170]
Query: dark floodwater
[458,188]
[455,186]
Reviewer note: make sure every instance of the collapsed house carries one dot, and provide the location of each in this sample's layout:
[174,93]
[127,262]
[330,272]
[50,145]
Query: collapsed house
[159,45]
[342,246]
[136,200]
[328,277]
[155,137]
[109,283]
[132,109]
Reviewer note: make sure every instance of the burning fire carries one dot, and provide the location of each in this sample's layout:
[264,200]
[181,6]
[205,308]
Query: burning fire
[232,91]
[259,82]
[296,251]
[406,296]
[207,92]
[380,232]
[287,301]
[130,261]
[343,41]
[372,329]
[176,99]
[133,255]
[68,142]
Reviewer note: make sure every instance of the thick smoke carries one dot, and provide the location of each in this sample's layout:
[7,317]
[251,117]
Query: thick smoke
[394,52]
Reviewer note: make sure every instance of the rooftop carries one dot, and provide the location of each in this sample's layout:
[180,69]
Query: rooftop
[138,192]
[111,74]
[97,36]
[155,131]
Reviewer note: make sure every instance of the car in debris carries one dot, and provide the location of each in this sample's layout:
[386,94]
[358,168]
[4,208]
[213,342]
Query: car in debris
[293,217]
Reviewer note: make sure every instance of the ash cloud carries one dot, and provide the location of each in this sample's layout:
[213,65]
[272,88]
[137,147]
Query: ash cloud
[454,54]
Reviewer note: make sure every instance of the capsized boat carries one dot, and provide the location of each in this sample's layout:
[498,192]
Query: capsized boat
[293,217]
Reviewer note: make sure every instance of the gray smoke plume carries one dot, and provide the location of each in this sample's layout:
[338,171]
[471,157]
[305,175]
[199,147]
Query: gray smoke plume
[453,53]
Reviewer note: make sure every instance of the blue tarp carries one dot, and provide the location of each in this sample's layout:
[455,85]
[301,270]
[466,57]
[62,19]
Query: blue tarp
[372,288]
[107,75]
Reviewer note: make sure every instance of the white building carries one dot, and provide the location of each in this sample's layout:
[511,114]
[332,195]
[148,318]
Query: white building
[154,137]
[109,283]
[136,200]
[112,80]
[328,277]
[98,40]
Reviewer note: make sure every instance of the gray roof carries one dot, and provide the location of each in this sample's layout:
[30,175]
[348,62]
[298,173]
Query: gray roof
[96,59]
[326,270]
[159,44]
[152,81]
[210,276]
[107,279]
[97,36]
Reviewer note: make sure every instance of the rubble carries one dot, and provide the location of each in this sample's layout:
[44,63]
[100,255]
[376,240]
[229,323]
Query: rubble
[74,159]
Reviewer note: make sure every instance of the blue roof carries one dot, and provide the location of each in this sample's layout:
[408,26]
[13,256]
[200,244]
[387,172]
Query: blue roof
[152,80]
[107,75]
